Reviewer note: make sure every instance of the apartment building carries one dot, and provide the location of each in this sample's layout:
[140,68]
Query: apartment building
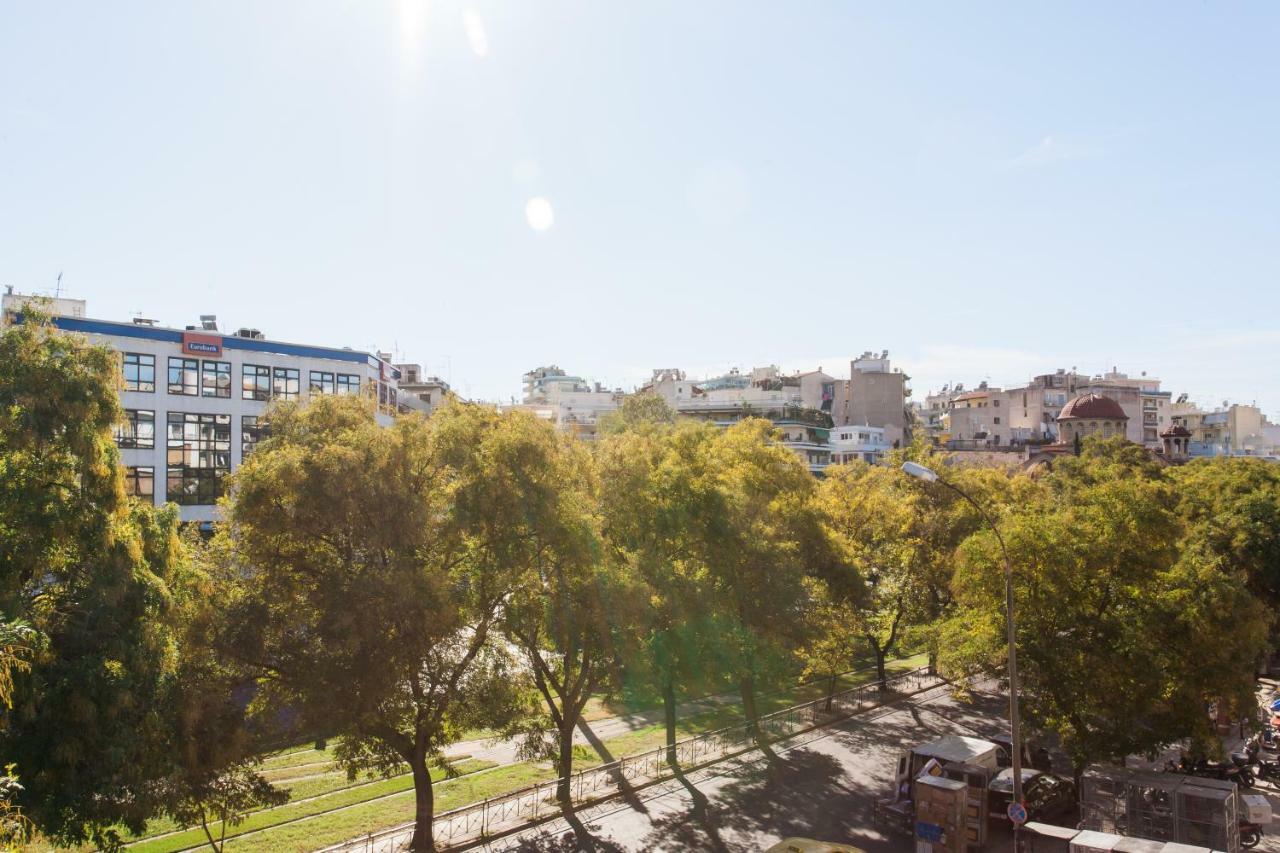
[798,404]
[569,402]
[1029,414]
[430,391]
[195,398]
[858,444]
[874,395]
[1231,430]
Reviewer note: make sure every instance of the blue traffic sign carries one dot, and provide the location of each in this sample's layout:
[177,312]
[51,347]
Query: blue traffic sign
[1017,813]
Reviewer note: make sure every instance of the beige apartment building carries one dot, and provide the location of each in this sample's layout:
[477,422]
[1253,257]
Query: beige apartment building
[1029,414]
[1232,430]
[874,395]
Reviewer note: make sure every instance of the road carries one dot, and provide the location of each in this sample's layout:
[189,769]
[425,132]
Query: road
[821,786]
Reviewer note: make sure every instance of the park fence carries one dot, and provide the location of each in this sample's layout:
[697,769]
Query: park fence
[536,803]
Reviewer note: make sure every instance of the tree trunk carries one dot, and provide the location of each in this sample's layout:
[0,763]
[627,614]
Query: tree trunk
[564,790]
[669,710]
[424,807]
[881,676]
[748,688]
[933,661]
[831,691]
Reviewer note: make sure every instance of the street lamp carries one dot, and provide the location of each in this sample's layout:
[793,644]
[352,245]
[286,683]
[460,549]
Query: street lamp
[930,476]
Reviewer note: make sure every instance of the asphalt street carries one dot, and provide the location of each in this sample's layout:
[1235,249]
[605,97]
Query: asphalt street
[822,786]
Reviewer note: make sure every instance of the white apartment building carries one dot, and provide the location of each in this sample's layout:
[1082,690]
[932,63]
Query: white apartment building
[799,404]
[194,398]
[858,444]
[569,402]
[430,391]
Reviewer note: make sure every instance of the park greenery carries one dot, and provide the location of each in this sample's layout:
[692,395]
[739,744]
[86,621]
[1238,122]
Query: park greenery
[399,587]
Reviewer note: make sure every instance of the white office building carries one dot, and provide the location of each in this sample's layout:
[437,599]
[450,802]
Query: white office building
[194,399]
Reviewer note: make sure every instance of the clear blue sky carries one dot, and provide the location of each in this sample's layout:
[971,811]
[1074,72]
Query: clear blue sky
[988,191]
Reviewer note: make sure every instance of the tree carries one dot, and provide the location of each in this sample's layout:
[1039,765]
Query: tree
[832,646]
[761,536]
[655,493]
[1122,633]
[16,638]
[222,799]
[1232,509]
[568,614]
[637,410]
[98,578]
[215,782]
[370,568]
[873,510]
[942,520]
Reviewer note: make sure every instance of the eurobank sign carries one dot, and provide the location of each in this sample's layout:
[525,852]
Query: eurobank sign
[195,344]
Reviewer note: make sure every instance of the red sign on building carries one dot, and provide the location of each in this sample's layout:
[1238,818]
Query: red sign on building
[197,344]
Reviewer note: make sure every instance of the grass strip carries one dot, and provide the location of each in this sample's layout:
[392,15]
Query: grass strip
[359,820]
[344,796]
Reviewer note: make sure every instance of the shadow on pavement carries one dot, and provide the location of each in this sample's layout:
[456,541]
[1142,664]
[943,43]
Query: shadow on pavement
[564,842]
[790,795]
[625,788]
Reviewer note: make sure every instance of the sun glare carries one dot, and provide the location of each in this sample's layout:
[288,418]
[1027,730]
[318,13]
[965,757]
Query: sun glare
[539,213]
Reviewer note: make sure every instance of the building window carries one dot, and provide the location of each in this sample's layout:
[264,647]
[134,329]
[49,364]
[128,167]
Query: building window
[321,382]
[252,430]
[137,430]
[215,379]
[995,403]
[140,481]
[139,372]
[386,395]
[255,382]
[287,383]
[199,457]
[348,383]
[997,421]
[425,397]
[184,376]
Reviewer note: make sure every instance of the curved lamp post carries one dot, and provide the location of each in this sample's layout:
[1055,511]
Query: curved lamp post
[1015,736]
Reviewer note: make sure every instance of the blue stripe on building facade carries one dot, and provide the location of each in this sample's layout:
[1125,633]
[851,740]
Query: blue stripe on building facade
[150,333]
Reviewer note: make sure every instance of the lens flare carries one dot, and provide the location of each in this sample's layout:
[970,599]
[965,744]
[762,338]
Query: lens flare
[539,213]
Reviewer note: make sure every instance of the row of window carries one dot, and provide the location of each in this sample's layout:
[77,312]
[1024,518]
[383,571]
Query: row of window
[184,486]
[193,377]
[197,453]
[138,429]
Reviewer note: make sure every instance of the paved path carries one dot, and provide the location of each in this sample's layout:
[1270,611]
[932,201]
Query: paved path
[822,786]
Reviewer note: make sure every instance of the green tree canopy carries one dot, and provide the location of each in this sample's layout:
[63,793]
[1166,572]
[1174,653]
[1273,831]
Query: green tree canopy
[373,563]
[1123,635]
[636,412]
[1232,507]
[99,579]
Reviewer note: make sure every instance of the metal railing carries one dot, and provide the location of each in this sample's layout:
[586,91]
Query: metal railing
[592,785]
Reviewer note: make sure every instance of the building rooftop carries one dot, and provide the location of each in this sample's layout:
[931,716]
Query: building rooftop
[244,339]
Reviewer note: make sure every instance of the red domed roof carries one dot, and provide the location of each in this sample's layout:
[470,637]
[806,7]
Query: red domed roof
[1093,406]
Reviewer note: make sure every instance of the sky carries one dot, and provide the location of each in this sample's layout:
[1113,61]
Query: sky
[988,191]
